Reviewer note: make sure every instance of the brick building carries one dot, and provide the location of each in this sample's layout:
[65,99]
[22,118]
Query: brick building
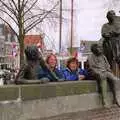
[34,40]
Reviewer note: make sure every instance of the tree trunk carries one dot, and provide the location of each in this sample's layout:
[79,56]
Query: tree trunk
[21,32]
[21,37]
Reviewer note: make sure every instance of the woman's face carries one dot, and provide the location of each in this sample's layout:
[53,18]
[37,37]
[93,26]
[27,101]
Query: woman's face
[52,61]
[73,66]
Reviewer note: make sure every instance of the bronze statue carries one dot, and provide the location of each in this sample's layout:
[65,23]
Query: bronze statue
[111,34]
[32,69]
[100,66]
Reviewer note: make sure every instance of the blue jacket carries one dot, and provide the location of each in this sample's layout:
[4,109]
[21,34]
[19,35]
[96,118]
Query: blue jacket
[85,73]
[56,75]
[73,75]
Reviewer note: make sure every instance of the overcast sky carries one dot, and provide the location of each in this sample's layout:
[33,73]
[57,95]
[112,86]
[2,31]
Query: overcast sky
[89,16]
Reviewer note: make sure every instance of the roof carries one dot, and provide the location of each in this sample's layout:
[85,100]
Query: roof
[87,45]
[33,40]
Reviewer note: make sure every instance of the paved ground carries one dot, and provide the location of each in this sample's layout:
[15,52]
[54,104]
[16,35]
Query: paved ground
[112,113]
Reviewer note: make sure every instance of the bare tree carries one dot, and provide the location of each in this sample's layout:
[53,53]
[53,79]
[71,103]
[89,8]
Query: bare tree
[24,15]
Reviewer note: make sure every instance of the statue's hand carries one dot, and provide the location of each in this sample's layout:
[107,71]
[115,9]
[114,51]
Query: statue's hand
[113,33]
[107,35]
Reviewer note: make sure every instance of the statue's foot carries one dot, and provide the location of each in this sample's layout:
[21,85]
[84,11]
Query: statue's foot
[105,104]
[116,102]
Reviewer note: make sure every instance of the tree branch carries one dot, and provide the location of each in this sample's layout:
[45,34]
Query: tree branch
[14,4]
[7,7]
[30,7]
[34,16]
[24,4]
[12,8]
[9,16]
[28,28]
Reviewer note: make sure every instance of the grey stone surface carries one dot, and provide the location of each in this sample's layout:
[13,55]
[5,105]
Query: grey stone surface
[52,106]
[45,91]
[112,113]
[48,107]
[9,93]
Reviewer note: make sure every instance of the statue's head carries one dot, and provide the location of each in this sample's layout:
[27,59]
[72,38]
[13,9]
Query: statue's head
[96,49]
[110,15]
[32,53]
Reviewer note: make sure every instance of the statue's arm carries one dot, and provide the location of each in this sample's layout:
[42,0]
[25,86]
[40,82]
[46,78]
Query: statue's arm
[93,65]
[105,31]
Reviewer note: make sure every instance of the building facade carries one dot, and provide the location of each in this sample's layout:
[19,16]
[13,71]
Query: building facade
[9,48]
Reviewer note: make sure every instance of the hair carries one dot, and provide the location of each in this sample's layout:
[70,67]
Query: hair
[70,60]
[93,47]
[32,53]
[49,56]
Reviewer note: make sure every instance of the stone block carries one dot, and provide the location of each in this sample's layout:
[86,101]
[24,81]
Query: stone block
[75,88]
[30,92]
[9,93]
[45,91]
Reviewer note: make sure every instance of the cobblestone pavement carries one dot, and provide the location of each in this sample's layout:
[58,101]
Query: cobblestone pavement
[112,113]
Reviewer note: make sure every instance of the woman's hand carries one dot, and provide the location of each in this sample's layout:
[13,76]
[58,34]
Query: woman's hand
[81,77]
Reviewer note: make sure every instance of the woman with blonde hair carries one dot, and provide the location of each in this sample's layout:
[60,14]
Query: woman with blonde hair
[53,73]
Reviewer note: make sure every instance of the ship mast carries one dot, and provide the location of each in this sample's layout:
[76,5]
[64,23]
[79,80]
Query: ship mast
[60,27]
[71,38]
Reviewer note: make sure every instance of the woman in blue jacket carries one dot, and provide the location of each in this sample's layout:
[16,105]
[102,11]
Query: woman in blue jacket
[72,72]
[51,71]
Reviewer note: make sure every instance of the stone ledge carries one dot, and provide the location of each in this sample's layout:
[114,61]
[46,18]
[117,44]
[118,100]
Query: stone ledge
[9,93]
[45,91]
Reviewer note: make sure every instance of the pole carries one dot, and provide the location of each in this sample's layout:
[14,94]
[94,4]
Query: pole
[60,27]
[71,39]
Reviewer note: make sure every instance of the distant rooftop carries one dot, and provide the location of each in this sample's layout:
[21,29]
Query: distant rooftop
[87,45]
[33,40]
